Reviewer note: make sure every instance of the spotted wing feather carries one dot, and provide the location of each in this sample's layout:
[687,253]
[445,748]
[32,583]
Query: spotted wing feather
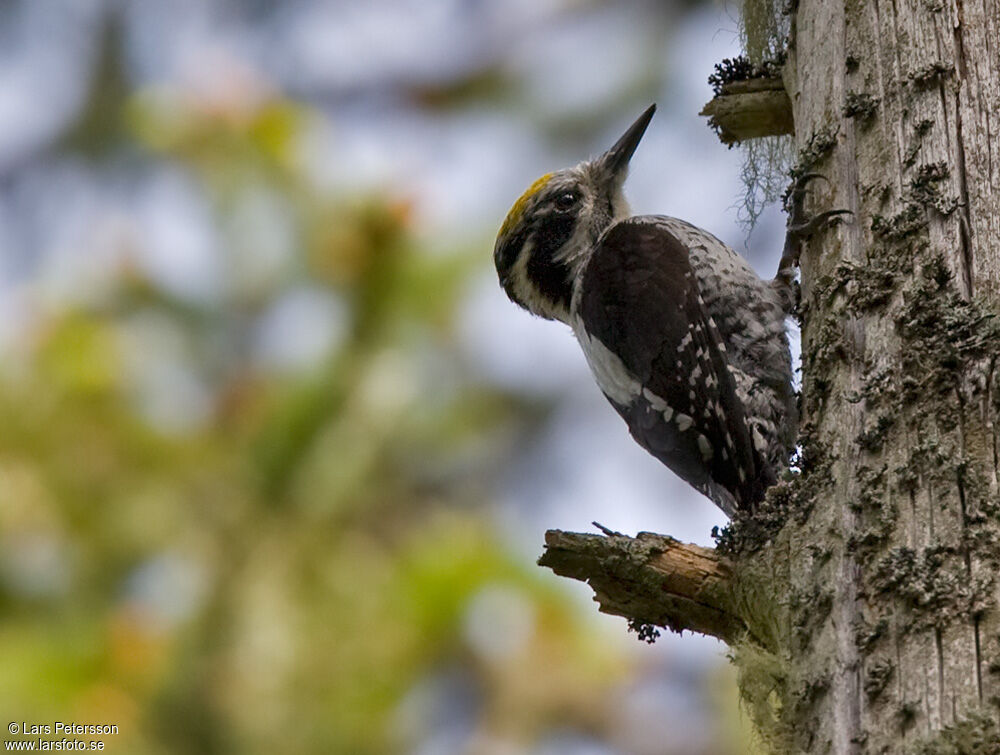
[640,299]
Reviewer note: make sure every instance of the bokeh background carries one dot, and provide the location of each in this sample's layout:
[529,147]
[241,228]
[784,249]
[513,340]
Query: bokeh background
[276,453]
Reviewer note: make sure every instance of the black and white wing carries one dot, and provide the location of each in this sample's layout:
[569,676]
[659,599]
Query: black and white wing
[660,360]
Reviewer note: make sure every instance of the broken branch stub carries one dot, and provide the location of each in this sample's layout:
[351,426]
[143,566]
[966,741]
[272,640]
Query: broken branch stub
[651,579]
[750,109]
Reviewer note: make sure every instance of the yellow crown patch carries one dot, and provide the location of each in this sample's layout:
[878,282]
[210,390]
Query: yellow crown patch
[514,216]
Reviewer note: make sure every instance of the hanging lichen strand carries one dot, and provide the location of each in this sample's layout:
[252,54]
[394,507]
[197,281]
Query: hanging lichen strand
[764,26]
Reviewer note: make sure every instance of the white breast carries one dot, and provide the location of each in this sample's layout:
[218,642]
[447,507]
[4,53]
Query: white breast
[611,375]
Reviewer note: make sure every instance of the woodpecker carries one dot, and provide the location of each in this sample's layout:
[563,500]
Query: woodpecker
[684,339]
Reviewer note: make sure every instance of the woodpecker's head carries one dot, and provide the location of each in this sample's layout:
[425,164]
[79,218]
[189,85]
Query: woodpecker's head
[549,232]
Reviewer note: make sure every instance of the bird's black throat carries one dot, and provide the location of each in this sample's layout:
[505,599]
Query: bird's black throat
[552,277]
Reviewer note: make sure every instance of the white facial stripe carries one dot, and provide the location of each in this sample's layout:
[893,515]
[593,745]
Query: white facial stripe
[526,292]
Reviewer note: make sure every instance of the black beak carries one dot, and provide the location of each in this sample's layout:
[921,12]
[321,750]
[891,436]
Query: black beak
[615,160]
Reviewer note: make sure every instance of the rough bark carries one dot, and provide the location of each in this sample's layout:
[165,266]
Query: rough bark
[868,583]
[897,103]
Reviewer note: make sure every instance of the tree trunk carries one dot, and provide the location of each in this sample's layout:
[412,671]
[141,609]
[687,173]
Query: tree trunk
[868,584]
[898,103]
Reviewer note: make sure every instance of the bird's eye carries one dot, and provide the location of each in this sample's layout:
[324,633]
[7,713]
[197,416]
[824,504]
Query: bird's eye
[567,200]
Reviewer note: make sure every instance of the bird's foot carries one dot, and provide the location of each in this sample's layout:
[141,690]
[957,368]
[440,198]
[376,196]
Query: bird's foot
[802,226]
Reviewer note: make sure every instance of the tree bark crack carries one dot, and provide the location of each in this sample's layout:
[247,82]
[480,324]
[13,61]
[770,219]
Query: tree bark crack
[965,220]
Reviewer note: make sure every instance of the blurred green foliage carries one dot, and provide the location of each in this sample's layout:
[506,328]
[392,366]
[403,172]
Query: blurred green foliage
[279,576]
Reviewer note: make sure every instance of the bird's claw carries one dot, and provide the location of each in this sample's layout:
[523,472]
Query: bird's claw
[800,227]
[797,190]
[806,229]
